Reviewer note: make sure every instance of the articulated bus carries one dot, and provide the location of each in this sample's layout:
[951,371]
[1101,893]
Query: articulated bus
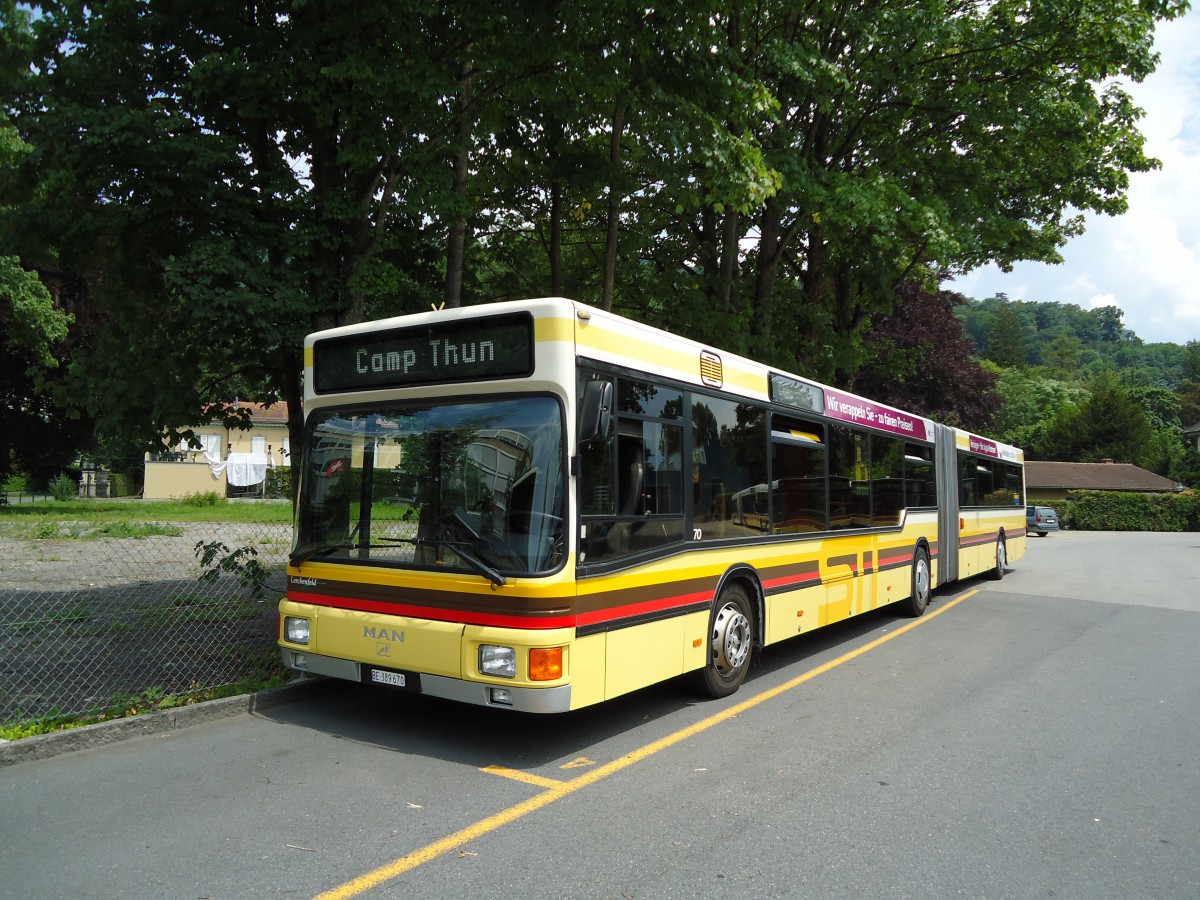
[539,505]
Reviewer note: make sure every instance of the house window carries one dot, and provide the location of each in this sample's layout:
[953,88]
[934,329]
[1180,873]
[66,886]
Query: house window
[210,444]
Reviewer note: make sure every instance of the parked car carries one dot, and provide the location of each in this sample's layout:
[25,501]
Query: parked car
[1040,519]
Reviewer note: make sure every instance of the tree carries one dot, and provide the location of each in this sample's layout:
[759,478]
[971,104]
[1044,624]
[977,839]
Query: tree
[210,181]
[1005,340]
[921,360]
[1064,353]
[1109,424]
[215,180]
[1031,404]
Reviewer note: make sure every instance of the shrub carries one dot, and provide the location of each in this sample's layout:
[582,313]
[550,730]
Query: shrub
[209,498]
[1124,511]
[120,484]
[64,488]
[279,483]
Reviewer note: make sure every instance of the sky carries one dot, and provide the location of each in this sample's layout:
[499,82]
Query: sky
[1146,262]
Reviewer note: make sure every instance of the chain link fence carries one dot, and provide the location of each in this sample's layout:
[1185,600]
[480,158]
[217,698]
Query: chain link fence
[94,616]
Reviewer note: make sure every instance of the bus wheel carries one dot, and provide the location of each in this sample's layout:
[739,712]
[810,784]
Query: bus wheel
[731,639]
[922,581]
[1001,560]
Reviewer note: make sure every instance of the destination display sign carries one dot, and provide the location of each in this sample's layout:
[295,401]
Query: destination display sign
[795,393]
[875,415]
[477,349]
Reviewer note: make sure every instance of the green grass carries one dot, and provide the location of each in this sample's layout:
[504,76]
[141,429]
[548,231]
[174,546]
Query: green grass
[145,510]
[150,700]
[51,530]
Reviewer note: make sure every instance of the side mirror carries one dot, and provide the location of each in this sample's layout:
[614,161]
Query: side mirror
[595,413]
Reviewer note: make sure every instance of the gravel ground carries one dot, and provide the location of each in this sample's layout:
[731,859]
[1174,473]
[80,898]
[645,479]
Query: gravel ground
[85,621]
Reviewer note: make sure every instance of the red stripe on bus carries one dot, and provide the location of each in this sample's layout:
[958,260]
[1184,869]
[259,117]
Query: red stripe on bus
[611,614]
[803,578]
[662,604]
[428,612]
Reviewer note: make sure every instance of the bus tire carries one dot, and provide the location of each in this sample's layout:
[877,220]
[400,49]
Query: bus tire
[1001,559]
[922,585]
[731,638]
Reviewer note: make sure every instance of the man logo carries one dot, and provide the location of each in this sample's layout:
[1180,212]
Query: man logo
[383,634]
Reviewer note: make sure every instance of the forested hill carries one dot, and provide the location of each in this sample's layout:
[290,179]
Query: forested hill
[1076,385]
[1065,338]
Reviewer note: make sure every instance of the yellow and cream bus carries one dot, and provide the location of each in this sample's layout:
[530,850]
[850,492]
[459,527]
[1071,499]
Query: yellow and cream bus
[539,505]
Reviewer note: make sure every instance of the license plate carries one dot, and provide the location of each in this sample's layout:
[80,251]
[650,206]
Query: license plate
[409,681]
[395,679]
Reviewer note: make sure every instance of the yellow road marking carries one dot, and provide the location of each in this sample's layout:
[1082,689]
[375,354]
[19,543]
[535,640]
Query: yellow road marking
[555,790]
[581,762]
[527,777]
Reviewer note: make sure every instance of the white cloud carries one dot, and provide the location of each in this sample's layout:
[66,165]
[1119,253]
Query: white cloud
[1147,262]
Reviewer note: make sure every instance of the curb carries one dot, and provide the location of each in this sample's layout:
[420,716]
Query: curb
[99,734]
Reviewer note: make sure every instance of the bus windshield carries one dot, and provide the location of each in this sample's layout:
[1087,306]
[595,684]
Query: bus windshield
[476,486]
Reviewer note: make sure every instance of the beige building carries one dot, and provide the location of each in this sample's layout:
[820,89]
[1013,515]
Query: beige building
[230,462]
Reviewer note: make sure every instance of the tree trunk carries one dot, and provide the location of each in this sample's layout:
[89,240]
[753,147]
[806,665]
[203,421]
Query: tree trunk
[614,207]
[770,250]
[456,239]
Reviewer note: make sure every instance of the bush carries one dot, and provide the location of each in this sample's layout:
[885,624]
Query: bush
[120,484]
[64,488]
[1124,511]
[279,483]
[209,498]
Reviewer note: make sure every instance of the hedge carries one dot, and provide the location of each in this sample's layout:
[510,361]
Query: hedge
[1125,511]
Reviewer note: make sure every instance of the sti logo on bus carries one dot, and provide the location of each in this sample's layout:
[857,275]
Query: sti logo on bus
[469,349]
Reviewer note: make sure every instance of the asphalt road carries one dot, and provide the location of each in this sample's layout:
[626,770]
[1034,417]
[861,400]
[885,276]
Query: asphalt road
[1035,737]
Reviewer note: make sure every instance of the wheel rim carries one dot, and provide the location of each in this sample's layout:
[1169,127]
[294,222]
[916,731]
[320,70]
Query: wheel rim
[921,580]
[730,640]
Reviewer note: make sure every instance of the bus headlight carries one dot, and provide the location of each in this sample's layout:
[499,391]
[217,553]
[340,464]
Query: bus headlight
[500,662]
[295,630]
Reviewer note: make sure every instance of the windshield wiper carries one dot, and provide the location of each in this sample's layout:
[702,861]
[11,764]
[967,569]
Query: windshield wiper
[300,557]
[474,563]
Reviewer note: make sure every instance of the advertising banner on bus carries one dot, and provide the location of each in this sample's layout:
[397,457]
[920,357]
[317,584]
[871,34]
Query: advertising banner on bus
[849,408]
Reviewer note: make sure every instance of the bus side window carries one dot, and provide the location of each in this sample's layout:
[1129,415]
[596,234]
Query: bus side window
[887,480]
[849,478]
[729,468]
[798,496]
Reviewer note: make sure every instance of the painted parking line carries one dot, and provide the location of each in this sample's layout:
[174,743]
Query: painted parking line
[555,790]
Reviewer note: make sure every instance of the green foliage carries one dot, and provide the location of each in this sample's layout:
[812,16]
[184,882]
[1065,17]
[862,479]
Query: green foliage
[1108,424]
[1005,343]
[207,187]
[63,487]
[28,314]
[1125,511]
[264,677]
[120,484]
[279,483]
[202,500]
[60,531]
[215,558]
[93,511]
[1073,342]
[1031,402]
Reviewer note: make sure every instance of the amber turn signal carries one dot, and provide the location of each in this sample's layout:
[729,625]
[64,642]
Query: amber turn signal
[546,664]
